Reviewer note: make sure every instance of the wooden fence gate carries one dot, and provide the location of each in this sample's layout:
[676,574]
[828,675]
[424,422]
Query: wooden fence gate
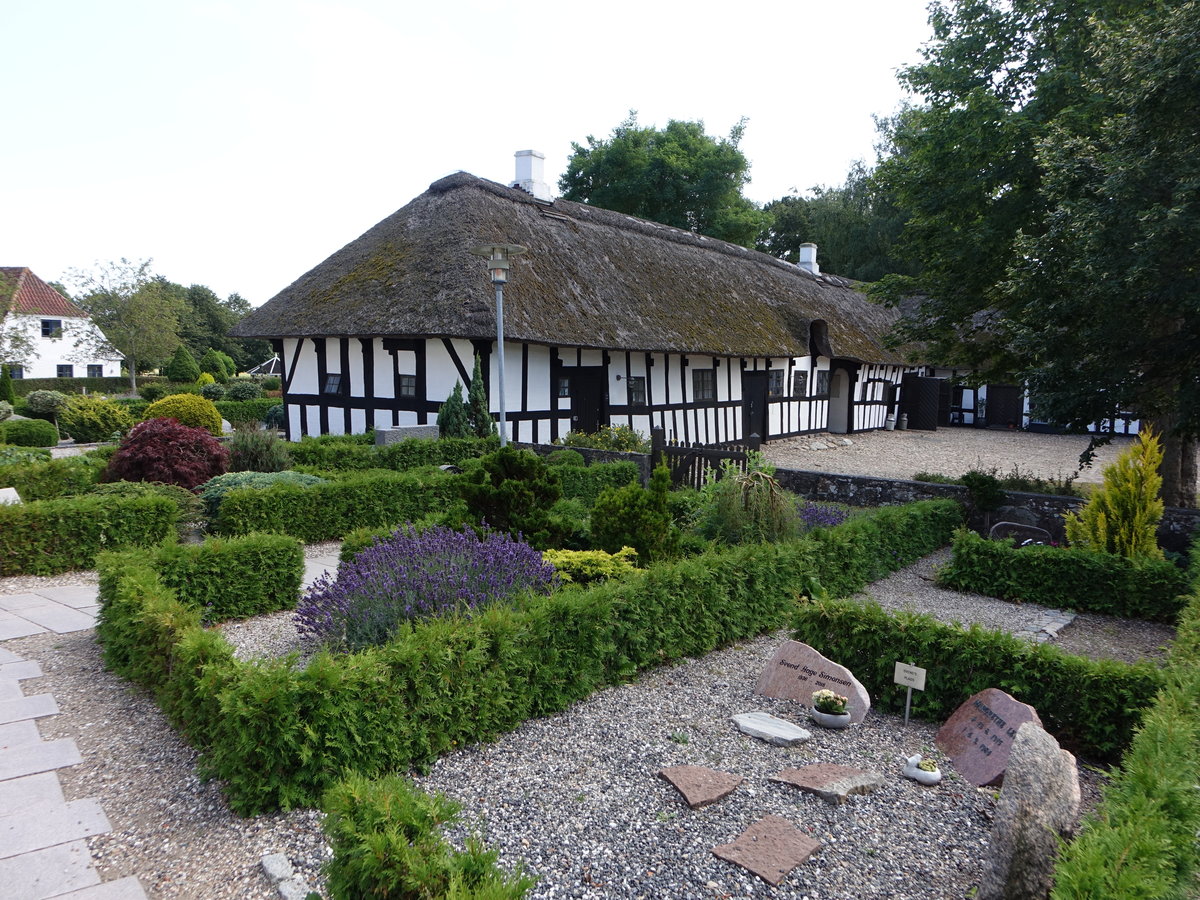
[689,465]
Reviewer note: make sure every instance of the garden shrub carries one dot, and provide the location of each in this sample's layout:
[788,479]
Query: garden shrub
[205,379]
[1066,577]
[188,506]
[182,367]
[212,364]
[279,736]
[29,433]
[821,515]
[1122,517]
[633,516]
[355,452]
[257,451]
[586,483]
[212,390]
[246,413]
[213,491]
[586,566]
[272,383]
[7,394]
[164,450]
[152,391]
[242,390]
[89,419]
[274,416]
[513,490]
[6,410]
[45,404]
[325,512]
[411,575]
[453,419]
[747,506]
[15,456]
[187,409]
[566,458]
[50,479]
[478,413]
[620,438]
[387,843]
[50,536]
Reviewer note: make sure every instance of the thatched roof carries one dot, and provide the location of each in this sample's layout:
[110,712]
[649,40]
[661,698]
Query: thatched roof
[591,278]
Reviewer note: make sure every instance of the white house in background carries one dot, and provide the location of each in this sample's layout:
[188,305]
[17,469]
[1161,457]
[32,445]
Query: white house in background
[608,320]
[63,340]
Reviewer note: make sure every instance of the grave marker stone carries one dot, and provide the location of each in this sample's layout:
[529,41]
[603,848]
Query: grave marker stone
[978,737]
[770,848]
[9,496]
[797,670]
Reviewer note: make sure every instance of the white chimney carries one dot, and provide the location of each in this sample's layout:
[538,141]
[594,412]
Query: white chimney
[531,167]
[808,258]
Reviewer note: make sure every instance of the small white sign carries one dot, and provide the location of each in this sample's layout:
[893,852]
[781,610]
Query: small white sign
[910,676]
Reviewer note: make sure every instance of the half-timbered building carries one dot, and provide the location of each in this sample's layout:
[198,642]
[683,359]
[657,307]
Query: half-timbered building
[608,319]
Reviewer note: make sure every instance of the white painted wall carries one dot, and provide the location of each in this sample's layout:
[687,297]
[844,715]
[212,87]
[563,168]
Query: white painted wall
[73,348]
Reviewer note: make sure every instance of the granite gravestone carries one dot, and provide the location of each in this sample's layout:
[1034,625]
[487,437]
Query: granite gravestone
[797,670]
[978,737]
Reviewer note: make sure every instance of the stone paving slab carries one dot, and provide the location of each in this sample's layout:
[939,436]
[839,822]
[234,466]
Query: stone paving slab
[18,794]
[41,757]
[7,656]
[48,873]
[18,602]
[701,786]
[27,708]
[14,627]
[124,889]
[58,618]
[18,734]
[73,595]
[10,689]
[830,781]
[19,671]
[50,824]
[770,848]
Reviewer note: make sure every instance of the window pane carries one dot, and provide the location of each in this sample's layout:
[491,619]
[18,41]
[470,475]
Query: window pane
[822,383]
[16,372]
[564,386]
[95,372]
[704,384]
[408,385]
[51,328]
[799,384]
[637,390]
[775,383]
[66,371]
[333,384]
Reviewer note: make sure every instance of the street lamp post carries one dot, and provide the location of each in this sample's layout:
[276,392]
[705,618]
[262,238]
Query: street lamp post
[498,256]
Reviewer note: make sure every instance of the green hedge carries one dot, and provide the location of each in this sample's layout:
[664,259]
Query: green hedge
[232,578]
[278,736]
[1072,578]
[238,411]
[356,452]
[49,536]
[326,512]
[108,385]
[1140,842]
[584,483]
[52,478]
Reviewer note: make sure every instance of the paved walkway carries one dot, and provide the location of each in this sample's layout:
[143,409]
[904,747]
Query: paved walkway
[43,852]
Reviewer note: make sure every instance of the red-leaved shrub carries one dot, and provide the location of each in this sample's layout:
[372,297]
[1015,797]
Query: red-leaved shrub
[165,451]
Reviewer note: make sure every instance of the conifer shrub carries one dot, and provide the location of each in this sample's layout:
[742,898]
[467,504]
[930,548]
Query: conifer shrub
[186,409]
[212,364]
[275,416]
[586,566]
[50,479]
[453,420]
[387,842]
[90,419]
[153,390]
[513,490]
[272,383]
[478,413]
[637,517]
[189,507]
[413,575]
[29,433]
[205,379]
[243,389]
[7,393]
[212,390]
[251,450]
[182,367]
[215,489]
[169,452]
[1122,517]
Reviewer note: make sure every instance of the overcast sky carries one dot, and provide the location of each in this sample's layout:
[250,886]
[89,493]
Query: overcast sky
[238,143]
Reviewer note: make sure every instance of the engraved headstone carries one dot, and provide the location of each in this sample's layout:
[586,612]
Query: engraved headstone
[797,670]
[700,786]
[978,737]
[770,848]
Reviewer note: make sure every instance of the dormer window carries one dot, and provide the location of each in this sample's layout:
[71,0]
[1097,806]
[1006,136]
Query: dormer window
[51,328]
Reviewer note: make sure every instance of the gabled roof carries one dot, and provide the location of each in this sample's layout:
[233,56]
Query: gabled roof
[23,292]
[590,278]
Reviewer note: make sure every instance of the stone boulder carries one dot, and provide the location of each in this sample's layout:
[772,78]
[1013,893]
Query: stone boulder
[1038,804]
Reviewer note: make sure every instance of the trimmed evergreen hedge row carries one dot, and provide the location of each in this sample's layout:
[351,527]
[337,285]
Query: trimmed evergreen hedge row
[353,452]
[246,411]
[1074,578]
[326,512]
[108,385]
[279,736]
[50,536]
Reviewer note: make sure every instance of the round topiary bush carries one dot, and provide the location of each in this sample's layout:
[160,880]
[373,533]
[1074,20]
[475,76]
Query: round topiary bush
[243,390]
[164,450]
[186,409]
[91,419]
[153,391]
[29,433]
[212,390]
[45,404]
[205,379]
[271,383]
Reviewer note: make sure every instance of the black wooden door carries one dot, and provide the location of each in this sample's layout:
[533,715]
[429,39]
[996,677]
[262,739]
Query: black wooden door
[754,404]
[1004,404]
[589,398]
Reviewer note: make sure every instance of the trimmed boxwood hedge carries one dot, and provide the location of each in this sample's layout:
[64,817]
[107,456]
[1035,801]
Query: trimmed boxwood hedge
[1061,577]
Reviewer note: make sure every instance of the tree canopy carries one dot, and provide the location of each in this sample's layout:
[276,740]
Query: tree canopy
[677,175]
[1049,188]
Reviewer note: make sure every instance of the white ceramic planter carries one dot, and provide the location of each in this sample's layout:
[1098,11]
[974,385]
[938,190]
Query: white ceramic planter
[830,720]
[919,775]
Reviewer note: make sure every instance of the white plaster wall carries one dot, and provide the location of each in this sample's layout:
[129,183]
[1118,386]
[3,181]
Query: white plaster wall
[357,383]
[539,377]
[74,348]
[304,376]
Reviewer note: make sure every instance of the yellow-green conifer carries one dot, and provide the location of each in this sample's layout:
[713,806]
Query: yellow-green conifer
[1122,517]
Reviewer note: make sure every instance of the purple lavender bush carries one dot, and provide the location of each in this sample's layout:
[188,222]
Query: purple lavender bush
[409,576]
[821,515]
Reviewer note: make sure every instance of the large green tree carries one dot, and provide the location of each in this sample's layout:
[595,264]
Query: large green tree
[135,310]
[206,322]
[1105,299]
[677,175]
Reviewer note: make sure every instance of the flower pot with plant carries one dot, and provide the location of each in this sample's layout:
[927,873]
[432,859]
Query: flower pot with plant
[829,709]
[922,769]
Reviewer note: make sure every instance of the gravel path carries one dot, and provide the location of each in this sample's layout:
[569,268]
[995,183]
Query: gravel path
[574,797]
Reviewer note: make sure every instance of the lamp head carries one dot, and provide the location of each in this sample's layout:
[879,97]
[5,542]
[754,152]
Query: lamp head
[498,256]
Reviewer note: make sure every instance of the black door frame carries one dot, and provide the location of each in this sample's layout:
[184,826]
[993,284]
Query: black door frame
[589,397]
[755,386]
